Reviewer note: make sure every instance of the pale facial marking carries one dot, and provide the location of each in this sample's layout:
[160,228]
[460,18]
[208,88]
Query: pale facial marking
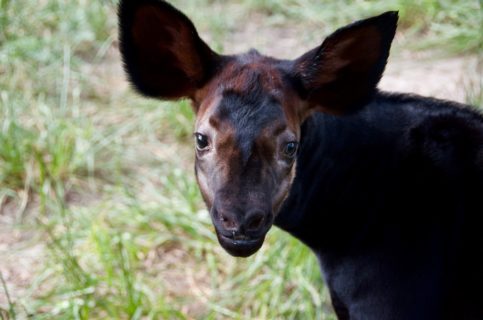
[204,174]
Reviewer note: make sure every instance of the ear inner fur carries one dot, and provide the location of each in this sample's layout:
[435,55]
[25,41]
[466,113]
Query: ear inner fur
[162,51]
[341,74]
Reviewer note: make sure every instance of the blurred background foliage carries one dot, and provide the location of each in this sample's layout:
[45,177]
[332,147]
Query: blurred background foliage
[100,216]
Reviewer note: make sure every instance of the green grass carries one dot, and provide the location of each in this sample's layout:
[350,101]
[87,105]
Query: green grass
[448,24]
[103,178]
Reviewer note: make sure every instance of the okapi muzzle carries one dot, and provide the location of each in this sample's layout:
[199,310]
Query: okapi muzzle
[249,107]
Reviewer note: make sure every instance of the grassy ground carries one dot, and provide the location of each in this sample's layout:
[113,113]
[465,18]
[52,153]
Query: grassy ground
[100,216]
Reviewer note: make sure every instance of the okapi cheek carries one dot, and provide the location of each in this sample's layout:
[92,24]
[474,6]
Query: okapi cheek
[205,190]
[283,190]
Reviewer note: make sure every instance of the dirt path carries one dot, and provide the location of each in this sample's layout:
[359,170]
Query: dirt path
[21,259]
[449,78]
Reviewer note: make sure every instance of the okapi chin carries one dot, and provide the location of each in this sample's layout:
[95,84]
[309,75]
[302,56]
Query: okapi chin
[385,188]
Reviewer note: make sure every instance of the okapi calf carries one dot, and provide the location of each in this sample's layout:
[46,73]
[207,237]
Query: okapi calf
[385,188]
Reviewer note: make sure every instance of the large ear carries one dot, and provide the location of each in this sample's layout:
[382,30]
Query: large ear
[163,55]
[343,72]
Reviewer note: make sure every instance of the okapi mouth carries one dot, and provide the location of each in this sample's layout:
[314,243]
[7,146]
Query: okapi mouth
[237,247]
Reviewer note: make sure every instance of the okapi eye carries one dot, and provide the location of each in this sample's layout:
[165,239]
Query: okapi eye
[201,141]
[290,149]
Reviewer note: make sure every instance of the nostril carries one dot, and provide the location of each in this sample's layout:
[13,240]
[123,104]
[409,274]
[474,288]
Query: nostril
[227,222]
[255,221]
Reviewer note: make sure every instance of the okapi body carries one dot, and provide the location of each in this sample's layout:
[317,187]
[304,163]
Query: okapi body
[385,188]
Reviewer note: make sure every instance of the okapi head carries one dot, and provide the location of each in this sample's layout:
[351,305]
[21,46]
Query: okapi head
[249,107]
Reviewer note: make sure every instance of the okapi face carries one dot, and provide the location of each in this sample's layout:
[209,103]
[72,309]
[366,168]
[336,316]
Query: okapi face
[247,134]
[249,107]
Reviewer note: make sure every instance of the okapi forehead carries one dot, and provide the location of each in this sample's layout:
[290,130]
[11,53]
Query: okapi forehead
[249,118]
[253,72]
[251,100]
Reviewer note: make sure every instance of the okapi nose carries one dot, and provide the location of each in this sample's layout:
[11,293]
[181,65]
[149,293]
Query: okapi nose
[229,221]
[253,222]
